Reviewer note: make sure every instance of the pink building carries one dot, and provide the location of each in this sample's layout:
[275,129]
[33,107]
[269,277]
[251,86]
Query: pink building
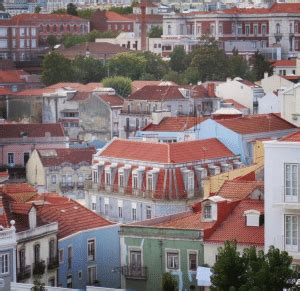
[17,141]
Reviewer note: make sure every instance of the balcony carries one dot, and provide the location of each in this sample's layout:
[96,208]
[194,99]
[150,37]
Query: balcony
[66,186]
[136,273]
[130,128]
[39,268]
[135,112]
[80,185]
[278,36]
[52,263]
[23,273]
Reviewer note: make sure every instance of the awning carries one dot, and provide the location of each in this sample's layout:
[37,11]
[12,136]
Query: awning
[203,276]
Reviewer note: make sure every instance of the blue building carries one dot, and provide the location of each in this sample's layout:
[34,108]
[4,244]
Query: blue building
[88,245]
[239,134]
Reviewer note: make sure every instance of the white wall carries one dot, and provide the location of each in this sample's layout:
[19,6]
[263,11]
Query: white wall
[270,103]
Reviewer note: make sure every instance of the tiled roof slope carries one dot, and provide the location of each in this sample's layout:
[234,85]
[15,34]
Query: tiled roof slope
[180,123]
[71,216]
[21,192]
[139,84]
[235,228]
[284,63]
[112,100]
[256,123]
[56,157]
[16,130]
[12,76]
[239,189]
[236,105]
[180,152]
[294,137]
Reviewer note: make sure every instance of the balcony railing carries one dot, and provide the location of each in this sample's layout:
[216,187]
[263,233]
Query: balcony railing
[23,273]
[52,263]
[278,36]
[135,112]
[39,268]
[133,272]
[66,186]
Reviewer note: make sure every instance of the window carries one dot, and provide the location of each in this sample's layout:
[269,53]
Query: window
[247,29]
[220,28]
[134,181]
[135,259]
[212,29]
[22,43]
[79,275]
[3,43]
[277,28]
[190,180]
[192,259]
[106,203]
[150,182]
[148,212]
[263,29]
[70,255]
[13,32]
[120,208]
[121,180]
[291,232]
[51,282]
[92,275]
[108,178]
[4,264]
[69,281]
[94,204]
[26,157]
[133,210]
[22,259]
[255,29]
[91,250]
[239,29]
[22,31]
[11,158]
[53,179]
[14,43]
[61,256]
[291,181]
[173,260]
[180,108]
[37,253]
[207,211]
[52,249]
[95,176]
[169,29]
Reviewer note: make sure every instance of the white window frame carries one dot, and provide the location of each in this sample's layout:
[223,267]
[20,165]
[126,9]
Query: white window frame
[121,179]
[148,210]
[88,277]
[133,214]
[192,252]
[91,242]
[172,252]
[291,192]
[8,158]
[190,181]
[135,181]
[150,182]
[108,181]
[291,242]
[206,212]
[53,179]
[4,263]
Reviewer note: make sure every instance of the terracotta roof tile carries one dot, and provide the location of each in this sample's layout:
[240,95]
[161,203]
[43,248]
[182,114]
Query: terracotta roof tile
[55,157]
[112,100]
[113,16]
[256,123]
[285,63]
[139,84]
[12,76]
[180,152]
[180,123]
[293,137]
[16,130]
[235,104]
[21,192]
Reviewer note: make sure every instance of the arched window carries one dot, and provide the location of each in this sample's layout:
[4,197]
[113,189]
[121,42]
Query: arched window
[61,28]
[169,29]
[277,28]
[37,257]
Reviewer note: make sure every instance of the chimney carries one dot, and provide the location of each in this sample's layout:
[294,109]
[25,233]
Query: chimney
[32,217]
[143,25]
[211,90]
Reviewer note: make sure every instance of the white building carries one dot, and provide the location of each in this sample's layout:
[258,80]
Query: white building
[282,203]
[241,91]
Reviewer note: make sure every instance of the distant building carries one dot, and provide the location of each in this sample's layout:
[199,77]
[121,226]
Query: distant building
[285,67]
[62,171]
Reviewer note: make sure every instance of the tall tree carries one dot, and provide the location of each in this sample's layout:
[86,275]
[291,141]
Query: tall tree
[122,85]
[260,66]
[178,59]
[237,66]
[56,69]
[155,32]
[37,9]
[72,9]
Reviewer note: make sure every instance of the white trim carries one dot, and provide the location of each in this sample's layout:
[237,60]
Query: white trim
[169,250]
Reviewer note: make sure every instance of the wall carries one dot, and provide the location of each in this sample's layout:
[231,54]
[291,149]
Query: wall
[290,105]
[12,267]
[153,244]
[107,257]
[273,83]
[270,103]
[35,172]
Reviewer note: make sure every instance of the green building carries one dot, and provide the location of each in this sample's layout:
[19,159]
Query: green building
[166,244]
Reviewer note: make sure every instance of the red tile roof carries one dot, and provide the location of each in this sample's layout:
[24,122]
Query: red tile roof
[248,83]
[180,123]
[235,104]
[139,84]
[33,92]
[294,137]
[71,216]
[21,192]
[235,228]
[55,157]
[157,93]
[239,189]
[12,76]
[256,123]
[180,152]
[112,100]
[76,86]
[5,91]
[16,130]
[113,16]
[285,63]
[291,78]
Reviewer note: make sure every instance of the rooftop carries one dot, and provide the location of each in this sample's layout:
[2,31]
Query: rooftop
[285,63]
[235,104]
[256,123]
[112,100]
[293,137]
[20,130]
[12,76]
[175,124]
[139,84]
[181,152]
[74,156]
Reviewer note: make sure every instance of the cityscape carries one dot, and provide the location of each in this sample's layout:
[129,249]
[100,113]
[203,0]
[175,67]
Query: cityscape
[149,145]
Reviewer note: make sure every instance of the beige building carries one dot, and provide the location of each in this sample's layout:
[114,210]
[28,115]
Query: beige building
[60,170]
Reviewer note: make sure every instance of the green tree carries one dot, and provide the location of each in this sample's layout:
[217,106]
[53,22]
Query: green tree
[72,9]
[210,61]
[190,76]
[178,59]
[155,32]
[173,76]
[168,282]
[52,40]
[37,9]
[71,40]
[60,11]
[229,270]
[56,69]
[128,64]
[37,284]
[237,66]
[85,13]
[86,69]
[259,66]
[122,10]
[122,85]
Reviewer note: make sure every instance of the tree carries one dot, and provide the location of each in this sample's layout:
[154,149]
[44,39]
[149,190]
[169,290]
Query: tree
[128,64]
[122,10]
[56,69]
[210,61]
[52,40]
[190,76]
[37,9]
[229,270]
[155,32]
[72,9]
[60,11]
[122,85]
[178,59]
[85,13]
[86,69]
[168,282]
[259,66]
[237,66]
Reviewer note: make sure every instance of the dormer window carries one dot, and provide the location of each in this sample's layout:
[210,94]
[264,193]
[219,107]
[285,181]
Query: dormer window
[253,218]
[207,212]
